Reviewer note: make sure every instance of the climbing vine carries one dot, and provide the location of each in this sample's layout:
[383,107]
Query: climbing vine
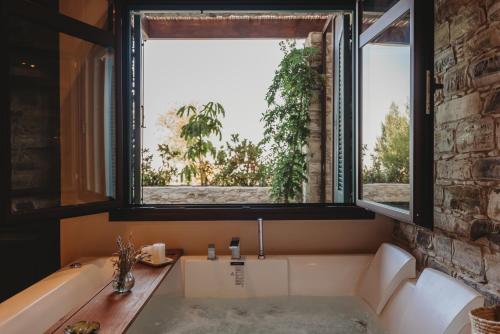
[286,120]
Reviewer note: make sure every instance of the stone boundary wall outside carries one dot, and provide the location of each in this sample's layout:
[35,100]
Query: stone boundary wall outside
[205,195]
[387,192]
[380,192]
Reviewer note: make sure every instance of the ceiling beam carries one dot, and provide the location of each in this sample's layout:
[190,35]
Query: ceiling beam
[244,28]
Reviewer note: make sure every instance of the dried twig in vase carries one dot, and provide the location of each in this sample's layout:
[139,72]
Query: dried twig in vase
[126,257]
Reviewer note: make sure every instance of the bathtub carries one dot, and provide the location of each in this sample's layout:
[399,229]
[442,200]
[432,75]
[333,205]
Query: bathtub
[362,293]
[353,293]
[38,307]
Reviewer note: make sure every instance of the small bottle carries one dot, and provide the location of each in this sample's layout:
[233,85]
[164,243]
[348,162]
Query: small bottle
[211,252]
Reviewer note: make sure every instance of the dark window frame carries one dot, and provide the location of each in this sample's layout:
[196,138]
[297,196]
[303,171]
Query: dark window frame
[343,151]
[166,212]
[52,19]
[421,111]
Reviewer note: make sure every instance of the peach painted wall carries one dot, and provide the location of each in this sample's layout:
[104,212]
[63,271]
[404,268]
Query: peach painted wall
[94,235]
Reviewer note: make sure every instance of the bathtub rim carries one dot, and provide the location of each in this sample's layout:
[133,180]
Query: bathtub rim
[17,307]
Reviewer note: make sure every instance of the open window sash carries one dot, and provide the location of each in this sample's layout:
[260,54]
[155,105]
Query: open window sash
[391,34]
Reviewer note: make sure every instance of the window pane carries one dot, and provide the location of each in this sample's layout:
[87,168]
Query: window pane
[373,10]
[93,12]
[61,118]
[86,119]
[235,120]
[386,116]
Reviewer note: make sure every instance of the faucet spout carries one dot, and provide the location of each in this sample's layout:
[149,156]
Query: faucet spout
[260,230]
[234,246]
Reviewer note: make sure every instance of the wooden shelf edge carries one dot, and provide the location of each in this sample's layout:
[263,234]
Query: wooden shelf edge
[117,312]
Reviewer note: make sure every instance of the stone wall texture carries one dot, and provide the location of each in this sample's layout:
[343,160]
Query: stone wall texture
[205,195]
[34,124]
[312,188]
[465,242]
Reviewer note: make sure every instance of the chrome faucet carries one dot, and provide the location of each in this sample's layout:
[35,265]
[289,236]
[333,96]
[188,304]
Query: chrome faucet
[260,230]
[234,246]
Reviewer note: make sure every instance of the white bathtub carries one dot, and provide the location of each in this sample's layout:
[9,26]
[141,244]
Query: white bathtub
[38,307]
[381,284]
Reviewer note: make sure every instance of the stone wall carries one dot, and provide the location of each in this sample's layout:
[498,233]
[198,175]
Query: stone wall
[205,195]
[312,188]
[465,241]
[34,113]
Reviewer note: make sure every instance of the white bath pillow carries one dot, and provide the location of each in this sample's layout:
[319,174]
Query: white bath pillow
[390,266]
[393,315]
[440,305]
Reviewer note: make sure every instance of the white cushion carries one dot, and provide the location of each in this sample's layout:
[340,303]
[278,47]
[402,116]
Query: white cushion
[392,316]
[390,266]
[437,304]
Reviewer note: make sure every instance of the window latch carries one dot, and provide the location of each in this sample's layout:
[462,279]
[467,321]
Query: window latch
[430,87]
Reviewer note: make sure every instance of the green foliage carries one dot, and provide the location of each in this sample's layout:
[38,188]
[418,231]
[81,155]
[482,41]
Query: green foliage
[391,157]
[202,124]
[286,120]
[240,163]
[163,175]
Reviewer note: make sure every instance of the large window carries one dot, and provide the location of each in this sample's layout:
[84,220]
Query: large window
[240,108]
[395,110]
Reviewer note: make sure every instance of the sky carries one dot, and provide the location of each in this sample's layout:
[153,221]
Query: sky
[386,79]
[237,74]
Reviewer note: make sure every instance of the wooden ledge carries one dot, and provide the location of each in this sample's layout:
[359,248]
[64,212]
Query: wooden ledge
[116,312]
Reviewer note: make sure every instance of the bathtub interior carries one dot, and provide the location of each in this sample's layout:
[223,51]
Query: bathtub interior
[209,296]
[398,307]
[283,315]
[302,284]
[38,307]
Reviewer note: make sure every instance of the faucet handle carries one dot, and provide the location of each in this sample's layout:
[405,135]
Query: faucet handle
[234,246]
[235,242]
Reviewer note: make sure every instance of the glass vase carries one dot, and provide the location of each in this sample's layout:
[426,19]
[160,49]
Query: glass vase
[123,283]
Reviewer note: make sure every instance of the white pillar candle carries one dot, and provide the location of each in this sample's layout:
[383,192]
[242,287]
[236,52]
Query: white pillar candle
[158,252]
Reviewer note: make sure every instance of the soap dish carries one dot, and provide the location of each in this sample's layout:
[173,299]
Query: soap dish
[149,262]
